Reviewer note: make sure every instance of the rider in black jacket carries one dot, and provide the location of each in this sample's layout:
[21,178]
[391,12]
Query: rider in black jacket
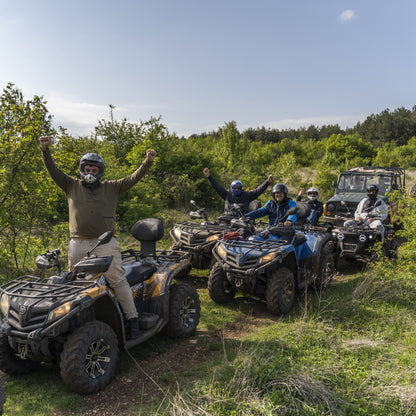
[236,194]
[317,207]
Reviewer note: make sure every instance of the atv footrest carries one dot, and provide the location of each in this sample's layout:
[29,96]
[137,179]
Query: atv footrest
[147,320]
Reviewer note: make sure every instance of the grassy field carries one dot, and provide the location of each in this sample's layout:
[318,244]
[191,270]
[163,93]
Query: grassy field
[350,351]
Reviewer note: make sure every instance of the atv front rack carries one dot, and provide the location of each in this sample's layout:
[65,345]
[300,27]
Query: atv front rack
[36,288]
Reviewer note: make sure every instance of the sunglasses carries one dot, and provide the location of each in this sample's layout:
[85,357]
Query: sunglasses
[237,188]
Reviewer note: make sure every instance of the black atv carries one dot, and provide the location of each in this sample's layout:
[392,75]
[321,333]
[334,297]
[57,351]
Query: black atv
[358,241]
[74,319]
[198,238]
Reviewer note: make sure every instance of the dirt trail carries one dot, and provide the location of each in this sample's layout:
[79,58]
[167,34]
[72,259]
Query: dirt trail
[153,378]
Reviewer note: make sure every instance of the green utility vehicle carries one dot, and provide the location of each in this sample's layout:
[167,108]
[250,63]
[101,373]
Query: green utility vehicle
[352,188]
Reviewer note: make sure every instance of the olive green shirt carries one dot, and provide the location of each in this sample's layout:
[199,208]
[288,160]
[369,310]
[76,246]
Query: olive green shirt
[91,211]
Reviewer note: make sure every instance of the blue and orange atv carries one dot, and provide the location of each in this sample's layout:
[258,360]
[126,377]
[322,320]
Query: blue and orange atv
[74,319]
[273,264]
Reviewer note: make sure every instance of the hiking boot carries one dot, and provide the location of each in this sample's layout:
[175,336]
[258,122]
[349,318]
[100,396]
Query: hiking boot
[133,330]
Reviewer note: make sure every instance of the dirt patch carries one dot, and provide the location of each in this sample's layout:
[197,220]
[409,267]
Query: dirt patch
[153,378]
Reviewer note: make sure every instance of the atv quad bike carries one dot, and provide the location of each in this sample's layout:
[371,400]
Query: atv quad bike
[198,238]
[74,319]
[272,265]
[358,241]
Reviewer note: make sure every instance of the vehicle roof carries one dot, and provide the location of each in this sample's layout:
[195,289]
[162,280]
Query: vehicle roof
[376,170]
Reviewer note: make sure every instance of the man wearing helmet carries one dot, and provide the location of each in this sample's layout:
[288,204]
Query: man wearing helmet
[368,213]
[277,207]
[317,207]
[92,209]
[236,194]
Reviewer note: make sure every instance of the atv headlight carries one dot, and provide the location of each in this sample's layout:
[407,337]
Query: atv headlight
[60,311]
[4,304]
[221,251]
[177,233]
[268,257]
[214,237]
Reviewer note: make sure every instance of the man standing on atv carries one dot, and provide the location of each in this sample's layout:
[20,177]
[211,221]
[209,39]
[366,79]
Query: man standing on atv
[277,207]
[236,194]
[371,211]
[92,209]
[317,208]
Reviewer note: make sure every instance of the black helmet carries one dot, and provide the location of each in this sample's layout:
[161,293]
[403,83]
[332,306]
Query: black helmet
[372,191]
[279,187]
[94,160]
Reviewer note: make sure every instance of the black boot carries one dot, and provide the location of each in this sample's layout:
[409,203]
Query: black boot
[133,330]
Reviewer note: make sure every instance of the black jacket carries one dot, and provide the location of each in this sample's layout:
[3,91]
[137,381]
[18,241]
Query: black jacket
[243,199]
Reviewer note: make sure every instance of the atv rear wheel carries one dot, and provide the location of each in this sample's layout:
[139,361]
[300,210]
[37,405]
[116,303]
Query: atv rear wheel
[184,311]
[89,358]
[326,267]
[280,292]
[219,288]
[10,363]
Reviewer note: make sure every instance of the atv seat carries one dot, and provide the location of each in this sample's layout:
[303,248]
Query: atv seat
[138,272]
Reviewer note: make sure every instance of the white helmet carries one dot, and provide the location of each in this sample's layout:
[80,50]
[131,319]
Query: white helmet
[313,194]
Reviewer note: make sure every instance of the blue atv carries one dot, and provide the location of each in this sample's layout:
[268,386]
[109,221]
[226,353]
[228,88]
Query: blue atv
[273,264]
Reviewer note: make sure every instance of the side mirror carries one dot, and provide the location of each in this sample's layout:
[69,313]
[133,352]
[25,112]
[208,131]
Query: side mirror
[102,239]
[292,211]
[42,262]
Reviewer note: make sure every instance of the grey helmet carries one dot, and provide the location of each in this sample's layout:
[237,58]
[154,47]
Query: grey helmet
[91,159]
[279,187]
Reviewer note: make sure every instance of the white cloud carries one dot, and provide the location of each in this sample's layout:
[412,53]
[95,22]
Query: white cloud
[346,15]
[79,118]
[342,121]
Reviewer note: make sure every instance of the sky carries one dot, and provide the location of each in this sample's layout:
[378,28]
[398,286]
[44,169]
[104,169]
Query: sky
[201,64]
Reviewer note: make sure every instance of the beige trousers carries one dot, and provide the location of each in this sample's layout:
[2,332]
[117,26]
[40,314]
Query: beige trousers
[78,248]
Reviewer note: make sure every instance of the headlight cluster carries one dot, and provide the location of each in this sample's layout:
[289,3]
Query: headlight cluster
[330,208]
[60,311]
[268,257]
[4,304]
[214,237]
[221,251]
[177,233]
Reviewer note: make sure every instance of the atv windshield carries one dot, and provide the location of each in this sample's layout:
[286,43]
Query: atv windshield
[359,183]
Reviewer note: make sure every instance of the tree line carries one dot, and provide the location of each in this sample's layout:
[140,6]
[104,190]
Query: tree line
[32,207]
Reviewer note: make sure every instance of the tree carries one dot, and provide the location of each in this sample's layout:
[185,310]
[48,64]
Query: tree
[24,200]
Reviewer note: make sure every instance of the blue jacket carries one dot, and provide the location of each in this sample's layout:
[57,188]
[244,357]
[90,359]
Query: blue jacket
[274,211]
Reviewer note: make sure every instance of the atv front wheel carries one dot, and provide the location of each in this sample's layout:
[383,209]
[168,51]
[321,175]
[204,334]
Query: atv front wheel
[219,288]
[280,292]
[10,363]
[326,267]
[184,311]
[89,358]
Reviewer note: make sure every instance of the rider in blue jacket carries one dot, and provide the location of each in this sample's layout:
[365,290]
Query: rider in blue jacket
[277,207]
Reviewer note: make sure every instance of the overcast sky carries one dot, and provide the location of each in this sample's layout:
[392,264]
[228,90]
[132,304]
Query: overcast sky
[199,64]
